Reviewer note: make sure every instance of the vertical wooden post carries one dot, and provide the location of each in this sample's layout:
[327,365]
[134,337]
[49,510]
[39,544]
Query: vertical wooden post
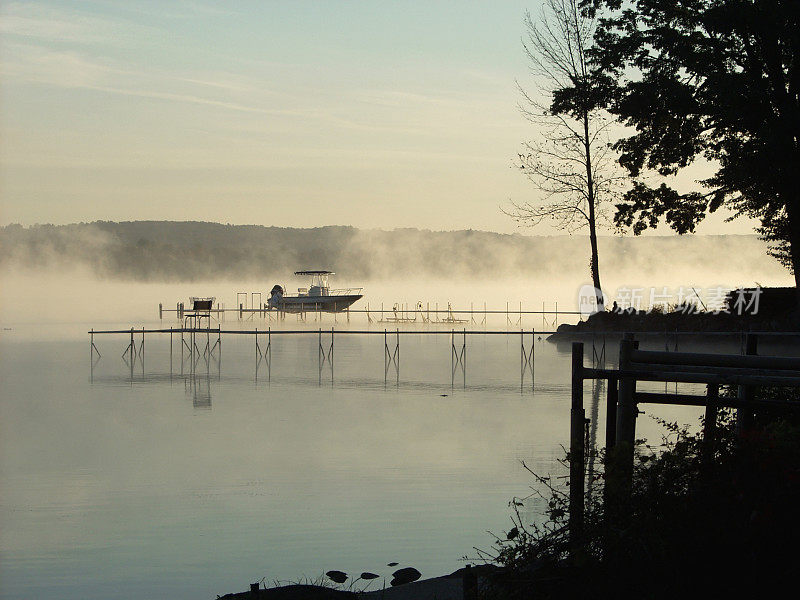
[746,393]
[576,450]
[91,356]
[452,359]
[611,413]
[521,360]
[627,410]
[710,423]
[183,343]
[611,491]
[533,357]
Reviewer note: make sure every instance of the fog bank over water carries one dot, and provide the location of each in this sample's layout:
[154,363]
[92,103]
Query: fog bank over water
[119,272]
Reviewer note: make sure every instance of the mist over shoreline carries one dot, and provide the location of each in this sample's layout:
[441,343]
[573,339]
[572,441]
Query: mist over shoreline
[168,251]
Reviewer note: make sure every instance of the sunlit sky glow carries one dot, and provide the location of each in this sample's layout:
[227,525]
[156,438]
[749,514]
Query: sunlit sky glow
[373,114]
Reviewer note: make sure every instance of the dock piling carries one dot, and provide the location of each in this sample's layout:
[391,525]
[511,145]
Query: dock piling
[576,451]
[746,393]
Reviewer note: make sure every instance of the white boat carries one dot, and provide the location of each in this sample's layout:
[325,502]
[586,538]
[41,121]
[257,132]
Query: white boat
[318,297]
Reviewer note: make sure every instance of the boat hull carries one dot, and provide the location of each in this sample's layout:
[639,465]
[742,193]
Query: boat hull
[330,304]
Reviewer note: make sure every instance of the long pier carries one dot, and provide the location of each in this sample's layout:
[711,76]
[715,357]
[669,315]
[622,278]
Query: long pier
[205,343]
[198,343]
[398,313]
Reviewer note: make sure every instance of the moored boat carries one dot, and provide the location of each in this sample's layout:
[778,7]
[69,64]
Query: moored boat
[318,297]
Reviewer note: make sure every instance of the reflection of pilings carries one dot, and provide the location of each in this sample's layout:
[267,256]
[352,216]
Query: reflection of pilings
[190,345]
[325,357]
[458,358]
[131,352]
[261,355]
[92,348]
[598,350]
[141,353]
[591,442]
[526,359]
[199,387]
[92,351]
[391,358]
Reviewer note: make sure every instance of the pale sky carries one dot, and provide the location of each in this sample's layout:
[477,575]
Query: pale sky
[294,113]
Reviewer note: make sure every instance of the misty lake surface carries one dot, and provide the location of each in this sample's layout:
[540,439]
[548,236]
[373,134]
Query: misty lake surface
[146,483]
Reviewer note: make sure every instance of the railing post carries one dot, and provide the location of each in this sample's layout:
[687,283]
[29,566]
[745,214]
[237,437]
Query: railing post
[627,410]
[576,450]
[710,423]
[611,413]
[621,461]
[746,393]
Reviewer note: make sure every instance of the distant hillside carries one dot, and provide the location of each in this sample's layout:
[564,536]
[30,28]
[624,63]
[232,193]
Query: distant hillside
[187,251]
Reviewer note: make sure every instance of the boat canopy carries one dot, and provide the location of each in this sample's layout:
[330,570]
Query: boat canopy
[319,282]
[314,273]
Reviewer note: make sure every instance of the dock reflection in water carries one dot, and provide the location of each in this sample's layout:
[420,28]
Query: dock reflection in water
[111,484]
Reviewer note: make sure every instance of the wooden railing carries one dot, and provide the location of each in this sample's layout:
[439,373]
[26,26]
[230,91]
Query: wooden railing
[747,372]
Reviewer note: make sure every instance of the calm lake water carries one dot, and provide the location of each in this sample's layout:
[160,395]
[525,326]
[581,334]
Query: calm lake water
[145,483]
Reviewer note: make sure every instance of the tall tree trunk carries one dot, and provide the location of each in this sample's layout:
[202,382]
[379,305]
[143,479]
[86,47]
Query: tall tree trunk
[595,267]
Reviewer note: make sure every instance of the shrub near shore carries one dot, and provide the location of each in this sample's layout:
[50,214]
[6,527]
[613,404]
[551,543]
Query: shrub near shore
[693,527]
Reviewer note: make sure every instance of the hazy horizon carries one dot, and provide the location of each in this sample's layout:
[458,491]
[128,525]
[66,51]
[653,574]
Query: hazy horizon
[119,272]
[297,114]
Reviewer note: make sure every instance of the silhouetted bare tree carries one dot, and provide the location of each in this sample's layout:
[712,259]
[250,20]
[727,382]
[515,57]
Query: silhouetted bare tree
[570,159]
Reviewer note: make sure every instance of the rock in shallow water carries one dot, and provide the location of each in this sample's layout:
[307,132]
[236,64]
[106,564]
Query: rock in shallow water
[405,575]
